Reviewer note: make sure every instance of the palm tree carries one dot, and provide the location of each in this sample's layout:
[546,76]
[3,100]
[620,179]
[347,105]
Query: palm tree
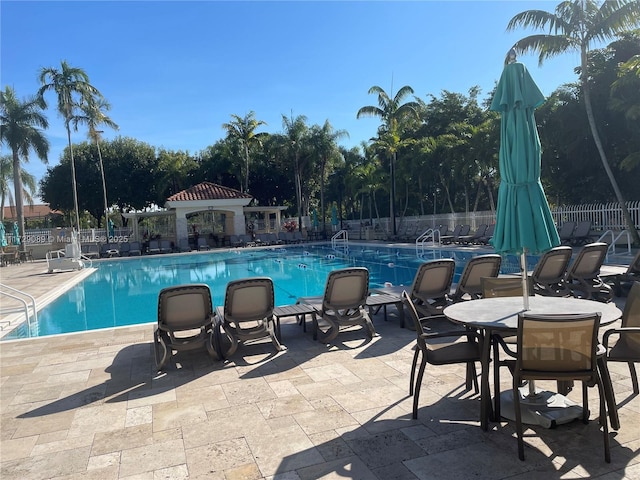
[73,89]
[324,141]
[20,132]
[93,115]
[296,132]
[575,26]
[391,112]
[244,131]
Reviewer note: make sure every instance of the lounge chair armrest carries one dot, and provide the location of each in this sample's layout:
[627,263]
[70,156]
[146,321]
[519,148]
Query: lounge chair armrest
[619,331]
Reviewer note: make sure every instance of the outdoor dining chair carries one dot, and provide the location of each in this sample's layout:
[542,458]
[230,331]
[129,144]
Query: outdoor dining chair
[629,276]
[562,348]
[185,322]
[442,348]
[627,347]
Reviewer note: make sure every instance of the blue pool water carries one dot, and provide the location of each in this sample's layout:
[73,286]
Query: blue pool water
[125,291]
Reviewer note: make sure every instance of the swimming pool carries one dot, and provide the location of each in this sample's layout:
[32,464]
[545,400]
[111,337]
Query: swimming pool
[125,291]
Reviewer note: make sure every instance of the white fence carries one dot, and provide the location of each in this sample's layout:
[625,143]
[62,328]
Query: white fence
[604,216]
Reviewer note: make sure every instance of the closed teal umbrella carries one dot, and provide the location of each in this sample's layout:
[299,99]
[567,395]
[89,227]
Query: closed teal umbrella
[315,219]
[3,238]
[16,234]
[523,218]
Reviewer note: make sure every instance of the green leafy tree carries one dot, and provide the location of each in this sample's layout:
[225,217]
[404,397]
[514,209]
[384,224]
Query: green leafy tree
[175,173]
[575,26]
[391,111]
[72,88]
[243,129]
[21,132]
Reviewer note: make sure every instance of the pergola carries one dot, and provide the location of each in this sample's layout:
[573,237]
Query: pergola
[210,197]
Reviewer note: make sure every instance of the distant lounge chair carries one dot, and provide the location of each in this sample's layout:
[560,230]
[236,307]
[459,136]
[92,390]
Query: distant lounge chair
[135,249]
[622,276]
[488,235]
[549,275]
[470,287]
[154,247]
[582,234]
[90,250]
[202,244]
[458,231]
[477,235]
[566,232]
[165,246]
[583,275]
[246,240]
[235,241]
[185,322]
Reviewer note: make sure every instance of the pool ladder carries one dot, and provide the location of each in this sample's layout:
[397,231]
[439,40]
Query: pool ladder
[428,235]
[340,241]
[28,307]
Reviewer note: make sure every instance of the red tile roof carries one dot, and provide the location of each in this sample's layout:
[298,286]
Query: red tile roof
[30,211]
[207,191]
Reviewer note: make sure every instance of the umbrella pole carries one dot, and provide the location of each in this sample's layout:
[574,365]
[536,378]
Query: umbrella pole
[525,289]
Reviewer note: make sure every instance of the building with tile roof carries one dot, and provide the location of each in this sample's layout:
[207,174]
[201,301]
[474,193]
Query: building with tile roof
[226,205]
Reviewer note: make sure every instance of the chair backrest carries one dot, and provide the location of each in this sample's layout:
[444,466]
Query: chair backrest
[414,314]
[631,314]
[503,287]
[582,229]
[433,279]
[566,231]
[464,230]
[456,230]
[557,346]
[553,265]
[184,307]
[634,266]
[588,262]
[346,288]
[474,270]
[480,231]
[134,246]
[248,300]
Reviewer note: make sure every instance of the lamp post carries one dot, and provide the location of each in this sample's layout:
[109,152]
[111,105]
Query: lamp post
[104,184]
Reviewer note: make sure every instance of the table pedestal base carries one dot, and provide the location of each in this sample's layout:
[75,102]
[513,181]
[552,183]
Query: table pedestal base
[546,409]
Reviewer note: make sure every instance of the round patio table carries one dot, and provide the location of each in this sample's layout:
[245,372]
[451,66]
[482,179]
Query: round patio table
[500,314]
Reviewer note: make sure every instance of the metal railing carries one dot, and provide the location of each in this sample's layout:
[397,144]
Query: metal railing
[26,300]
[340,241]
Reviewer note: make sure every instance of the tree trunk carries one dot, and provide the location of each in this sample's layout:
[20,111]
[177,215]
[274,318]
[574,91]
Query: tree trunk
[584,80]
[74,186]
[17,192]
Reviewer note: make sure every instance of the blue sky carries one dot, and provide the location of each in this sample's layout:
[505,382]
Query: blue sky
[174,72]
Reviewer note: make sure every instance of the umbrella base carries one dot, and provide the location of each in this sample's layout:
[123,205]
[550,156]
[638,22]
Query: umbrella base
[545,408]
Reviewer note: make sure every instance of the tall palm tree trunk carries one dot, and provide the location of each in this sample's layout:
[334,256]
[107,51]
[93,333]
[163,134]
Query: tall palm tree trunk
[74,186]
[17,187]
[603,156]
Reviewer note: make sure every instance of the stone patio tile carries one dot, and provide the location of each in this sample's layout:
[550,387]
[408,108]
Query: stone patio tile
[211,397]
[284,406]
[69,443]
[324,418]
[139,416]
[29,426]
[168,415]
[247,391]
[151,457]
[13,449]
[178,472]
[218,457]
[349,467]
[122,439]
[45,467]
[103,418]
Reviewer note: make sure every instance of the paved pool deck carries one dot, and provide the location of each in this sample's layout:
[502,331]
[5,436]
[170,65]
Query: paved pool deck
[90,405]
